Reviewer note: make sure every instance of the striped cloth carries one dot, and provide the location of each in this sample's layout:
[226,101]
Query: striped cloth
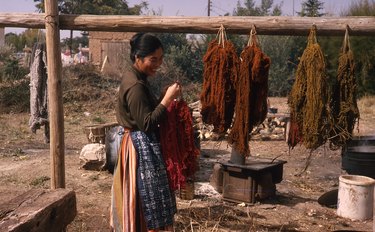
[140,193]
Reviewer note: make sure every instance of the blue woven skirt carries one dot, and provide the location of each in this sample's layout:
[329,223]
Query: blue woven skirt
[157,200]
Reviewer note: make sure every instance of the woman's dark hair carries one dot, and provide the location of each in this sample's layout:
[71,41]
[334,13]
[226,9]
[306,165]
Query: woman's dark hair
[143,44]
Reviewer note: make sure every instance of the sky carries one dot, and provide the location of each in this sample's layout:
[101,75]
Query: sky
[184,8]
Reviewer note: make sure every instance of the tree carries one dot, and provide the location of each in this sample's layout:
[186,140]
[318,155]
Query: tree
[311,8]
[26,38]
[98,7]
[250,9]
[102,7]
[278,48]
[178,51]
[364,49]
[361,8]
[76,42]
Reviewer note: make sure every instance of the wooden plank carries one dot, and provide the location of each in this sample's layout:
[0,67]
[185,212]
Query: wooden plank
[115,52]
[39,210]
[11,205]
[55,100]
[265,25]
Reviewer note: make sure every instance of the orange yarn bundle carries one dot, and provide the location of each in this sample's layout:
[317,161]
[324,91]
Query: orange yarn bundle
[218,91]
[251,95]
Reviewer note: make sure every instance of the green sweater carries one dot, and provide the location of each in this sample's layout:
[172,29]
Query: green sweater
[137,107]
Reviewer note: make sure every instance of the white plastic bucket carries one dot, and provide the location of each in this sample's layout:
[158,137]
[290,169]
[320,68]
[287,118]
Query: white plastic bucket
[355,197]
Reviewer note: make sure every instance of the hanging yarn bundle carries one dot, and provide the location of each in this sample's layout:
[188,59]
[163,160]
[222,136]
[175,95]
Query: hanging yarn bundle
[177,144]
[218,91]
[308,98]
[259,85]
[344,100]
[251,95]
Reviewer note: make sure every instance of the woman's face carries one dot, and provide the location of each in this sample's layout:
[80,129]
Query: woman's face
[150,64]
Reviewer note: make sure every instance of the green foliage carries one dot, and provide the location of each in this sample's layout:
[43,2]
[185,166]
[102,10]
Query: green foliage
[15,96]
[361,8]
[331,47]
[250,9]
[6,52]
[311,8]
[14,40]
[25,39]
[14,85]
[364,49]
[9,65]
[75,42]
[184,54]
[99,7]
[364,52]
[279,48]
[11,70]
[40,181]
[98,119]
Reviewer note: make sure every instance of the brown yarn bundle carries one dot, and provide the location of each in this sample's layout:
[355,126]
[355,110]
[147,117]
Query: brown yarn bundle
[251,95]
[344,100]
[218,91]
[259,87]
[308,98]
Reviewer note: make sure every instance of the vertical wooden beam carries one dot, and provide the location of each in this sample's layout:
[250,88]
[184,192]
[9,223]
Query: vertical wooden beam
[2,36]
[56,112]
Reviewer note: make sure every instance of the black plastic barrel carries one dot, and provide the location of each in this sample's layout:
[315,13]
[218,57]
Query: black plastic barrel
[359,160]
[361,141]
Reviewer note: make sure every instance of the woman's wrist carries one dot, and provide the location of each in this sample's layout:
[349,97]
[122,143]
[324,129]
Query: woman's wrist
[166,102]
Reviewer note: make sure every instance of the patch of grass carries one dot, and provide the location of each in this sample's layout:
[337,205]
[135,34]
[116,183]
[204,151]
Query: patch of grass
[98,119]
[366,105]
[39,181]
[9,179]
[18,152]
[94,177]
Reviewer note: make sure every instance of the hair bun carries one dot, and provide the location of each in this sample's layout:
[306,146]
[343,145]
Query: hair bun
[135,39]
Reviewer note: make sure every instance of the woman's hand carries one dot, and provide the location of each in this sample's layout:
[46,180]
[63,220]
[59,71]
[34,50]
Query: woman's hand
[173,92]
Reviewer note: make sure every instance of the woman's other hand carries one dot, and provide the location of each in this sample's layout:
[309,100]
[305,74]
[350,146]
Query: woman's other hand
[173,92]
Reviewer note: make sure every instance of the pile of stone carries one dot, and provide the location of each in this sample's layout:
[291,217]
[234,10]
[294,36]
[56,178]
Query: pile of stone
[275,126]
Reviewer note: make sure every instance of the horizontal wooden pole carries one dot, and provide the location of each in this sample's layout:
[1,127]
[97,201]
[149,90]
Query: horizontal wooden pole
[265,25]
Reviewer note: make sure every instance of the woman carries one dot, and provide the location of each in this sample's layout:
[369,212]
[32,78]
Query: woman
[141,197]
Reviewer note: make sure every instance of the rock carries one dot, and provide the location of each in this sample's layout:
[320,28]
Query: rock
[93,156]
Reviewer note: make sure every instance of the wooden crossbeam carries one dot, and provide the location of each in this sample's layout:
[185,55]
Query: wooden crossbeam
[265,25]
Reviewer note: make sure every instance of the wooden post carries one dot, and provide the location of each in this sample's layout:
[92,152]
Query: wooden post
[2,36]
[56,114]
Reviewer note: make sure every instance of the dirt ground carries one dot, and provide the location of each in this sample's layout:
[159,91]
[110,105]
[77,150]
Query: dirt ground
[25,164]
